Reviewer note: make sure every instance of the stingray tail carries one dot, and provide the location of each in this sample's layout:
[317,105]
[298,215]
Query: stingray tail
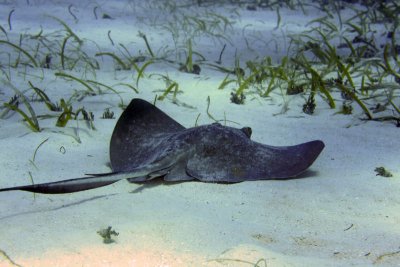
[74,185]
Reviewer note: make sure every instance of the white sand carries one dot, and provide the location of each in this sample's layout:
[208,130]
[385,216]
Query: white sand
[342,214]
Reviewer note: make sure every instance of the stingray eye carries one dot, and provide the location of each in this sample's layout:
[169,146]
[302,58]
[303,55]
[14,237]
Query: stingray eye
[247,131]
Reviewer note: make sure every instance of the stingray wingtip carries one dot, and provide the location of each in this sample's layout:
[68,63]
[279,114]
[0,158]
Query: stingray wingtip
[316,146]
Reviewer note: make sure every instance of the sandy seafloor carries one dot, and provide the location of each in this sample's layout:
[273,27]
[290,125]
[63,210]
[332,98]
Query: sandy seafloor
[340,214]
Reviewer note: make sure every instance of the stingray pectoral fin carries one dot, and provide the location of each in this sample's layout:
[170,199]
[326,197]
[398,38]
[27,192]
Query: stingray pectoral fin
[75,185]
[253,161]
[292,161]
[136,136]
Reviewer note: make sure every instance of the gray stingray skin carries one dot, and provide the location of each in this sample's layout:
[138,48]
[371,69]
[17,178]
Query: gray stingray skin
[146,143]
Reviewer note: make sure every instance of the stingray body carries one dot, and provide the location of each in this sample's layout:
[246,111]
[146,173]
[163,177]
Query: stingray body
[146,143]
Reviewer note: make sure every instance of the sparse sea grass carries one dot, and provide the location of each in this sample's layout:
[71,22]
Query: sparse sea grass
[8,259]
[109,37]
[395,107]
[72,13]
[68,29]
[9,19]
[20,49]
[116,58]
[142,35]
[140,71]
[189,58]
[66,115]
[62,53]
[226,22]
[88,117]
[125,51]
[387,65]
[173,86]
[226,82]
[43,96]
[3,31]
[278,22]
[95,12]
[129,86]
[32,182]
[316,81]
[108,88]
[324,21]
[68,76]
[35,152]
[31,120]
[354,96]
[245,83]
[208,109]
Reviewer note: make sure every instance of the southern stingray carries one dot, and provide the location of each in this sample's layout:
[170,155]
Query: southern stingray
[146,143]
